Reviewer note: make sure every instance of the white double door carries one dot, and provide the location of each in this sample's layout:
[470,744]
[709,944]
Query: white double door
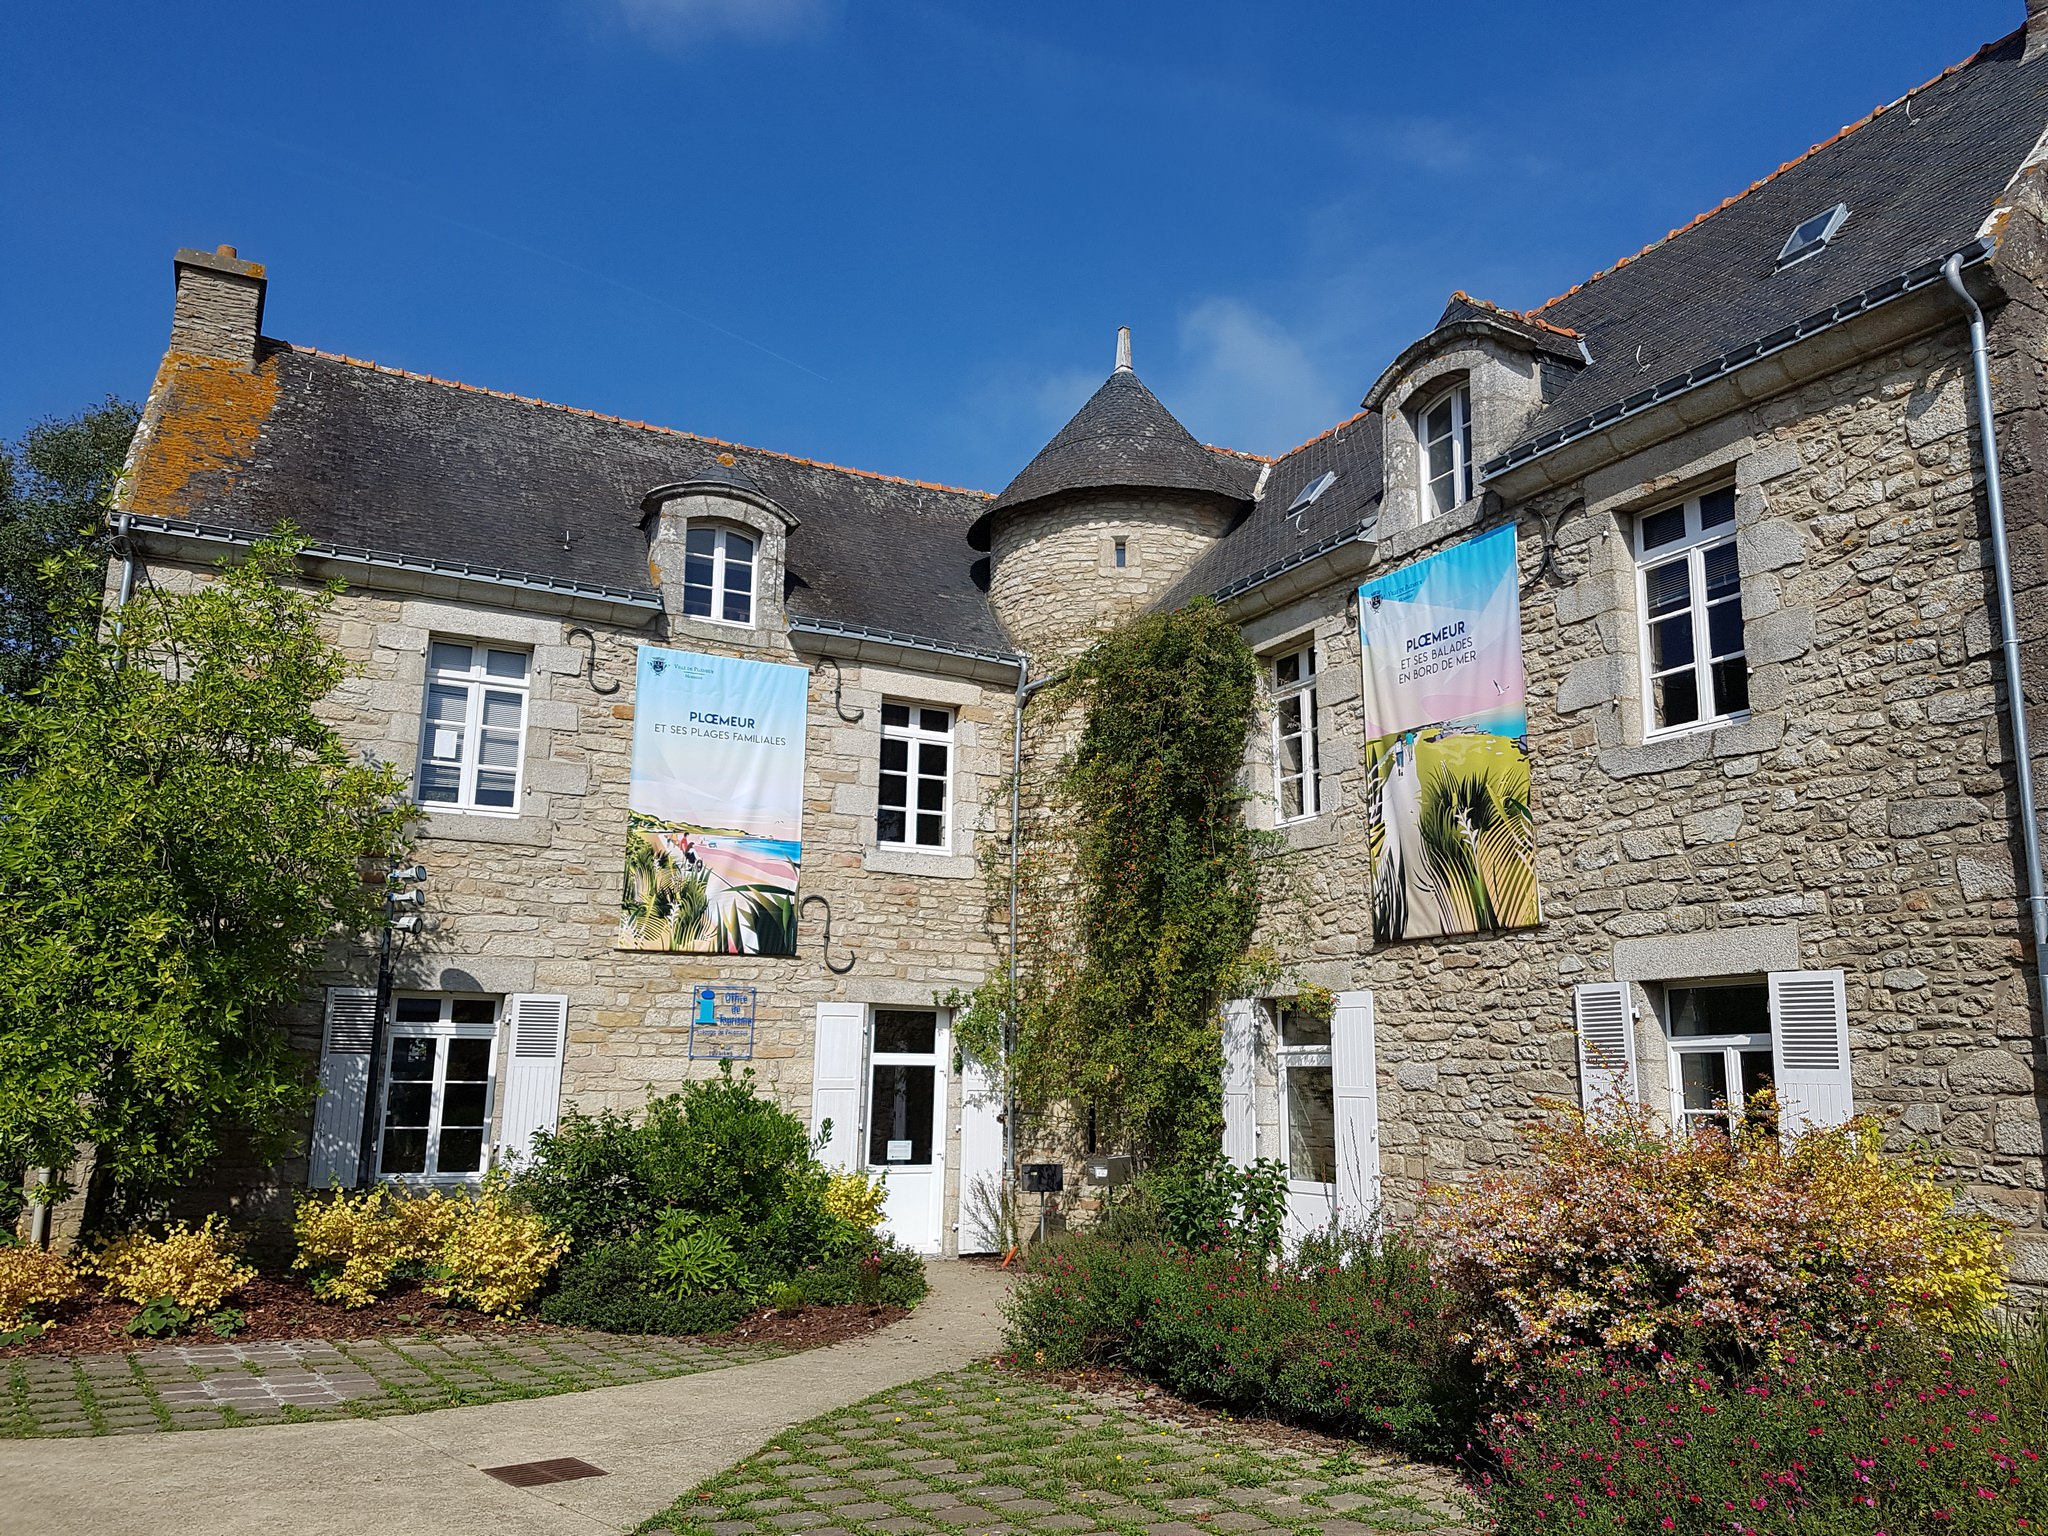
[904,1121]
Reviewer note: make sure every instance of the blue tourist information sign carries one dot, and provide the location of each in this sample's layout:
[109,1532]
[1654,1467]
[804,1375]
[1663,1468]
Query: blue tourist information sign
[722,1023]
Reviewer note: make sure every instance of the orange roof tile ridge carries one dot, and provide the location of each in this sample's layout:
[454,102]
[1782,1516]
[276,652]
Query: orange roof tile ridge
[1527,317]
[1840,134]
[645,426]
[1352,419]
[1238,453]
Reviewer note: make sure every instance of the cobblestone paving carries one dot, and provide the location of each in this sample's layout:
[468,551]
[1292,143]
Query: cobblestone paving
[986,1453]
[210,1386]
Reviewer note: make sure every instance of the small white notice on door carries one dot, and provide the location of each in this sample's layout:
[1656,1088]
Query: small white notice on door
[900,1152]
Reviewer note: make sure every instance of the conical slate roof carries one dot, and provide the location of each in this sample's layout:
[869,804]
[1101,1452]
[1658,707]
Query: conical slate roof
[1123,436]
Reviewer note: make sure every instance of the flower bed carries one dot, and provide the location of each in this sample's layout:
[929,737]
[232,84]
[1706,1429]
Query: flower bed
[1637,1334]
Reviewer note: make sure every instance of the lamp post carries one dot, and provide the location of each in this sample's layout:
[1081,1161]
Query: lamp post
[404,899]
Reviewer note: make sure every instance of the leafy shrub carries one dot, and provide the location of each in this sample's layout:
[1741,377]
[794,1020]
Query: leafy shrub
[604,1288]
[1218,1204]
[494,1254]
[191,1267]
[480,1250]
[1356,1339]
[355,1245]
[692,1260]
[739,1162]
[887,1274]
[1898,1437]
[32,1282]
[1623,1240]
[856,1199]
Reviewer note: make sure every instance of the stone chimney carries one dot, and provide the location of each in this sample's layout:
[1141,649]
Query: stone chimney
[219,308]
[2037,30]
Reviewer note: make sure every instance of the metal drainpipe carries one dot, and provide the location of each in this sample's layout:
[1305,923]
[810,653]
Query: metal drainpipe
[127,561]
[1025,688]
[2008,627]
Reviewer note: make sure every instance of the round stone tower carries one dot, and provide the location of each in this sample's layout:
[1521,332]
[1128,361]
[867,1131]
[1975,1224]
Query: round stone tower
[1110,517]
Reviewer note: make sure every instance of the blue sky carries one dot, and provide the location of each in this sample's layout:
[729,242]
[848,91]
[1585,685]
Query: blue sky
[888,233]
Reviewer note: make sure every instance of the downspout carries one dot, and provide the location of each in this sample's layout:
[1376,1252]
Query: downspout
[2008,628]
[1026,686]
[121,536]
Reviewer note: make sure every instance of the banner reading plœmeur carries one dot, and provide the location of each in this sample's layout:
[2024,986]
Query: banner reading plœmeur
[1447,753]
[714,833]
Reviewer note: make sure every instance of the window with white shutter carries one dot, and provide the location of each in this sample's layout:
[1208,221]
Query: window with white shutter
[1354,1062]
[1240,1031]
[351,1026]
[533,1069]
[1810,1043]
[837,1049]
[1605,1022]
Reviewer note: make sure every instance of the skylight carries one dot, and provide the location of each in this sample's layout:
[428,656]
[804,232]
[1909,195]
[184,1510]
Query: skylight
[1308,493]
[1812,235]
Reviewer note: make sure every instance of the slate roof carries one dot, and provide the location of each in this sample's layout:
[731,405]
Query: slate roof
[375,458]
[1123,437]
[371,457]
[1919,178]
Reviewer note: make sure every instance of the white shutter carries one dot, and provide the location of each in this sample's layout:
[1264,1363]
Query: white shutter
[1605,1019]
[1240,1126]
[981,1155]
[1355,1087]
[835,1081]
[344,1083]
[533,1070]
[1810,1047]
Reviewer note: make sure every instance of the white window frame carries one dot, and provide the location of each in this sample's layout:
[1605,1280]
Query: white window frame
[445,1028]
[935,1058]
[1728,1047]
[1303,689]
[722,537]
[475,683]
[1693,546]
[915,735]
[1459,397]
[1287,1057]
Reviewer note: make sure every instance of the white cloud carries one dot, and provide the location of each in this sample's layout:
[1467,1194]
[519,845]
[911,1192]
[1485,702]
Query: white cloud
[1243,381]
[690,21]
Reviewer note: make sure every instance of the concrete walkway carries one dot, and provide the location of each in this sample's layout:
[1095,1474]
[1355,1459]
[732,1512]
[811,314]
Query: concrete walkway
[419,1476]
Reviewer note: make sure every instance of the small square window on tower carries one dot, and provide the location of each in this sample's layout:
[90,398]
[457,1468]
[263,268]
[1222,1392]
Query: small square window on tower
[1122,553]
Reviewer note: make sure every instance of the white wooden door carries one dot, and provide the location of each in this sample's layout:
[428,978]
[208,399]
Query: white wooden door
[981,1158]
[906,1121]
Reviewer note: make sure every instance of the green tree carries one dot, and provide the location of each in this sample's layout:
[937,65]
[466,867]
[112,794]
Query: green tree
[181,834]
[1138,913]
[55,485]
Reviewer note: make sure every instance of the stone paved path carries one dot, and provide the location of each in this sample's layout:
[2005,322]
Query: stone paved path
[421,1474]
[990,1453]
[210,1386]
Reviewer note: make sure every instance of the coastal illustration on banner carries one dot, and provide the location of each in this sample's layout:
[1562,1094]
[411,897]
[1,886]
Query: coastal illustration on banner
[714,836]
[1450,835]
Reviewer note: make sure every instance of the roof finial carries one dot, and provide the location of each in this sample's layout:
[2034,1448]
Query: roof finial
[1123,349]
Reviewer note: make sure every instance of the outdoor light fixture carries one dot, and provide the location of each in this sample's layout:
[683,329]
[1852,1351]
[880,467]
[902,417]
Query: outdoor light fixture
[404,901]
[412,874]
[413,899]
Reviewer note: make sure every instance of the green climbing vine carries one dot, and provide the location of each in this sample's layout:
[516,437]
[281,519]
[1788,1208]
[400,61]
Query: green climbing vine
[1139,891]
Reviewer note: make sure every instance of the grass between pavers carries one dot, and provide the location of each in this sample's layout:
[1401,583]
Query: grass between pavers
[982,1452]
[216,1386]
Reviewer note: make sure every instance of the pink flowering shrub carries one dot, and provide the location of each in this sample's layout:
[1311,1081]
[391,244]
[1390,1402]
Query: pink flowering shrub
[1903,1438]
[1621,1241]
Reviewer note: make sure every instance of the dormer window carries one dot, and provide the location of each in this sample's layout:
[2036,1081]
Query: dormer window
[1443,432]
[718,575]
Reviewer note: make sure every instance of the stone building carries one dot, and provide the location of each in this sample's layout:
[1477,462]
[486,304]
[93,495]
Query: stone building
[1777,829]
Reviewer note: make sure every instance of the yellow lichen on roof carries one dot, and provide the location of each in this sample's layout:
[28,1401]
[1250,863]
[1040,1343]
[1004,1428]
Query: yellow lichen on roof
[208,414]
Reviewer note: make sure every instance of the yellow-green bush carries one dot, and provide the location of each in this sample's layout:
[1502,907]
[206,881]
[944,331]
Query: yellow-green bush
[194,1267]
[856,1199]
[1623,1240]
[352,1245]
[32,1280]
[495,1255]
[477,1250]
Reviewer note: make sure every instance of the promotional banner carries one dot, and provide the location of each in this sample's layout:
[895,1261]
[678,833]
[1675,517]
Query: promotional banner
[1447,752]
[714,832]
